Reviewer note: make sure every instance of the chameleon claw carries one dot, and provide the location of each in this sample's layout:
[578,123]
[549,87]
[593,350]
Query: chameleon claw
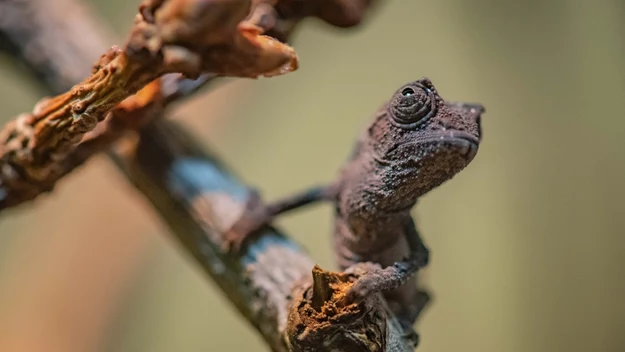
[373,281]
[242,231]
[377,280]
[233,241]
[253,219]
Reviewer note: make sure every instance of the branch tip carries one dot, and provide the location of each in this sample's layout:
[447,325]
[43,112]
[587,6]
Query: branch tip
[321,290]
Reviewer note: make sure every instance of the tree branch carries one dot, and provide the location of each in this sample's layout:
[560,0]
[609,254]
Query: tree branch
[187,36]
[270,283]
[33,159]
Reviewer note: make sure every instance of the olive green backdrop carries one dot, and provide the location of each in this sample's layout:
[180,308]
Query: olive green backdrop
[528,242]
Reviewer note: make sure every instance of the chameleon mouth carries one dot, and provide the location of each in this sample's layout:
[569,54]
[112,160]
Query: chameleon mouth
[466,143]
[469,147]
[458,142]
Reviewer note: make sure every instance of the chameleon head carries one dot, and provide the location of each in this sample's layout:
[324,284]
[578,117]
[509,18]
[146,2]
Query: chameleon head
[426,139]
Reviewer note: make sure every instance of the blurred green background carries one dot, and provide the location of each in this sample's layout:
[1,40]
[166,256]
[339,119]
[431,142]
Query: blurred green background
[528,243]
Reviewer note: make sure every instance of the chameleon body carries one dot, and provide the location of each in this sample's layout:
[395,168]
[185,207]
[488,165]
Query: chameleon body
[416,142]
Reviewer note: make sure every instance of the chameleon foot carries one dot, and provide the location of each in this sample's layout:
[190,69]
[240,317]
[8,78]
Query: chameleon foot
[377,280]
[373,281]
[253,219]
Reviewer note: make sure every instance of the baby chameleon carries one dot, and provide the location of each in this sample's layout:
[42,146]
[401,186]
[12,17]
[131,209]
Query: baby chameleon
[416,142]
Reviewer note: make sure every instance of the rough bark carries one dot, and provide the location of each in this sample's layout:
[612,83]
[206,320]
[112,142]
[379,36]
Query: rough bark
[270,282]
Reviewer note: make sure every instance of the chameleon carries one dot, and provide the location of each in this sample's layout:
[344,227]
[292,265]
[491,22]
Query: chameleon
[416,142]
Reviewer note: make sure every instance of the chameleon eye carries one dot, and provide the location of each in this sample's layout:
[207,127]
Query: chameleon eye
[413,105]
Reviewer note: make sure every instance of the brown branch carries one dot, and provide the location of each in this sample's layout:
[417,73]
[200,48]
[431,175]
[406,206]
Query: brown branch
[187,36]
[31,165]
[270,283]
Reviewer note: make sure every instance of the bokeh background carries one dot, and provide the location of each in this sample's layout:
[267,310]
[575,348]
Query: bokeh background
[528,242]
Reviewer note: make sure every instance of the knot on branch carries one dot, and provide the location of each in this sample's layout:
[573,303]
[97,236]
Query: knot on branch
[320,320]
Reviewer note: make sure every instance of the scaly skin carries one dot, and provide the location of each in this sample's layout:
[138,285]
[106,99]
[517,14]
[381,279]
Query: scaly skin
[416,142]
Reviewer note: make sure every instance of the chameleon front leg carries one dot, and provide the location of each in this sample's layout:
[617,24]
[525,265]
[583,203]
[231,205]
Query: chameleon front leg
[258,214]
[394,276]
